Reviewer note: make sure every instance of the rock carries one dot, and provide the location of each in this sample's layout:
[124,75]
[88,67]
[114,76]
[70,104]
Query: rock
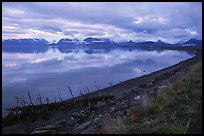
[122,103]
[100,116]
[111,102]
[47,127]
[113,108]
[125,106]
[50,126]
[82,111]
[72,118]
[149,84]
[152,92]
[78,115]
[91,116]
[147,123]
[97,122]
[61,122]
[84,125]
[65,121]
[137,97]
[40,132]
[163,87]
[88,108]
[100,104]
[119,113]
[152,81]
[97,119]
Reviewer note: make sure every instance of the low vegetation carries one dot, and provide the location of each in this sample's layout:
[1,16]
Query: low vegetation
[171,110]
[29,111]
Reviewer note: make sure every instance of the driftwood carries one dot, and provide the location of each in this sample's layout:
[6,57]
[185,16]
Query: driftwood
[30,98]
[109,89]
[87,89]
[60,98]
[70,91]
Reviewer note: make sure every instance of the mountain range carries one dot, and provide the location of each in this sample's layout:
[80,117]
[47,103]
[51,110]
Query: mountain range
[96,41]
[25,42]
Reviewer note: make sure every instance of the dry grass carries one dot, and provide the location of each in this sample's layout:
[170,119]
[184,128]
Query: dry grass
[170,110]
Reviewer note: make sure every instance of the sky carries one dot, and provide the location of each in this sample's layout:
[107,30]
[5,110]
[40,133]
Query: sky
[119,21]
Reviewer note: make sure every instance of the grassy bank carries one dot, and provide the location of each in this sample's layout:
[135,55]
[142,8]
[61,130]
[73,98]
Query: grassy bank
[172,110]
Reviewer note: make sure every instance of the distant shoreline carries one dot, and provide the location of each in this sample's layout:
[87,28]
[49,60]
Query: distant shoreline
[180,48]
[146,78]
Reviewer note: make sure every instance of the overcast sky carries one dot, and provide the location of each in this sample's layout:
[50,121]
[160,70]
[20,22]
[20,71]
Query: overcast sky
[119,21]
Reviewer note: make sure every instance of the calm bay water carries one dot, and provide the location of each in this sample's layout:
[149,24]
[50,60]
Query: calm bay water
[49,71]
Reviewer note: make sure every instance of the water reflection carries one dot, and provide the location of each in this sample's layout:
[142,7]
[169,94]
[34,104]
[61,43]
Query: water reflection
[51,71]
[55,61]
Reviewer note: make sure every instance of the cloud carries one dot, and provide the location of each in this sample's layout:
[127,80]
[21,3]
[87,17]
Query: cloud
[192,32]
[116,20]
[70,32]
[159,20]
